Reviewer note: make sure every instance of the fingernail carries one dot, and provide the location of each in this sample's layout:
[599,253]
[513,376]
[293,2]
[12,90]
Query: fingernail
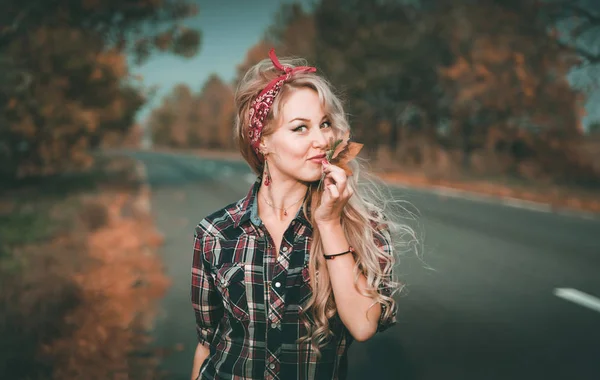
[325,162]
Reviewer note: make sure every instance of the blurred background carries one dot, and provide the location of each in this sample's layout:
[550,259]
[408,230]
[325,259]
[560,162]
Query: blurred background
[116,139]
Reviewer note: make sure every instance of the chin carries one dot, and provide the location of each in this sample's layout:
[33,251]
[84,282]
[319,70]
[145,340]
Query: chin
[309,177]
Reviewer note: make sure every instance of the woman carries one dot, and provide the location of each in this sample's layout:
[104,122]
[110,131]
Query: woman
[286,278]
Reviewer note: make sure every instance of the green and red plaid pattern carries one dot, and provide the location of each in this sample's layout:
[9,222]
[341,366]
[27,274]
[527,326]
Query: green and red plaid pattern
[248,302]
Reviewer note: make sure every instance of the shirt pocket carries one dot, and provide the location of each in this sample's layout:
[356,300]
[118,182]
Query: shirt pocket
[230,279]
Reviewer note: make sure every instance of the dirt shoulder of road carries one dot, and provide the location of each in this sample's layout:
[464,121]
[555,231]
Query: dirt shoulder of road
[554,197]
[80,276]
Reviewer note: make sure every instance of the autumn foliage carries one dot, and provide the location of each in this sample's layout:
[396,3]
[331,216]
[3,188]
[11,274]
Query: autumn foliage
[188,120]
[66,86]
[448,87]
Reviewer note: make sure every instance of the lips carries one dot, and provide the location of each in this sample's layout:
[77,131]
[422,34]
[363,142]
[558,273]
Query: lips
[319,157]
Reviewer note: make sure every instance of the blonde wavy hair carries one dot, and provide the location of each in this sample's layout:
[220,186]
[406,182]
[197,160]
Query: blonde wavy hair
[370,206]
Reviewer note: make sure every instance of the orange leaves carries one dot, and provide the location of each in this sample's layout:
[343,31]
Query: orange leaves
[255,54]
[102,323]
[164,40]
[199,120]
[12,103]
[114,61]
[506,73]
[96,74]
[457,70]
[342,151]
[67,64]
[347,155]
[527,79]
[335,146]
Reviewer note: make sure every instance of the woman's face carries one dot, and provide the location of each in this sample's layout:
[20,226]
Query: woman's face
[297,147]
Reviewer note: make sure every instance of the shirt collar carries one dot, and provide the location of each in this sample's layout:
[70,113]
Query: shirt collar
[247,208]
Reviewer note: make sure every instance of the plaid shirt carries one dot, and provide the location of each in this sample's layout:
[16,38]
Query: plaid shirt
[247,302]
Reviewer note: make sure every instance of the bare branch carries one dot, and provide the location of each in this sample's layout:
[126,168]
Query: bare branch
[7,31]
[590,57]
[587,21]
[584,13]
[564,9]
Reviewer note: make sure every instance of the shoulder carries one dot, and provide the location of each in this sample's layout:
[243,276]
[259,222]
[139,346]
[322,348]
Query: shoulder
[220,224]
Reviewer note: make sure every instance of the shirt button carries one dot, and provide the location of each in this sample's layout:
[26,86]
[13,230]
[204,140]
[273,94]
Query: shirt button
[278,284]
[285,249]
[272,365]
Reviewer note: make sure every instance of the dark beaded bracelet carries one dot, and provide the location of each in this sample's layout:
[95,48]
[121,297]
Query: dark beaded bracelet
[331,257]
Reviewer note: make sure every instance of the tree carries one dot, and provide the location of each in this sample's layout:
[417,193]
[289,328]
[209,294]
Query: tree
[135,26]
[188,120]
[134,138]
[464,75]
[66,85]
[508,75]
[481,65]
[384,57]
[214,126]
[254,55]
[292,33]
[576,24]
[169,123]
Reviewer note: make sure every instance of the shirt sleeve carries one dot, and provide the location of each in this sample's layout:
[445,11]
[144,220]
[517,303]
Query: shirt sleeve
[206,300]
[384,243]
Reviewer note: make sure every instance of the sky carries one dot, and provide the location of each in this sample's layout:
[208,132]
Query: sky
[229,28]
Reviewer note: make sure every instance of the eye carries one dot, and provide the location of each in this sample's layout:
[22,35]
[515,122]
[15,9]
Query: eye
[326,124]
[298,128]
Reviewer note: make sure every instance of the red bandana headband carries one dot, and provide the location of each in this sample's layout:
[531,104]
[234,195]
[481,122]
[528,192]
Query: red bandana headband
[260,107]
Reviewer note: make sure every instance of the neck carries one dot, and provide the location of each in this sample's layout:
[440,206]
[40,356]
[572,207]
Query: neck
[281,197]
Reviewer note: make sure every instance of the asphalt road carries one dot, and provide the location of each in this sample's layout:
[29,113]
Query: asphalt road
[481,304]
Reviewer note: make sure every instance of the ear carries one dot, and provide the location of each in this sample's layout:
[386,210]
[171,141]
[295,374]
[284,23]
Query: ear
[263,147]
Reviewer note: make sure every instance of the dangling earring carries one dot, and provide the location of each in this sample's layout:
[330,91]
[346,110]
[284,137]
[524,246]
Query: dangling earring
[267,174]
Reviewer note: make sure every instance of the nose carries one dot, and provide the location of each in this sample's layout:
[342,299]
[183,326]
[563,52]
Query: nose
[319,139]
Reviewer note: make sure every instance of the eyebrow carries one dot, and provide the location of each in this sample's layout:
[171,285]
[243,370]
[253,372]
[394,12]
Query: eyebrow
[306,120]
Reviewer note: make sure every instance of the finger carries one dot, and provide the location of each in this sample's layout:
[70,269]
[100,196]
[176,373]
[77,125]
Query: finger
[328,181]
[328,168]
[348,192]
[326,197]
[339,177]
[331,168]
[333,191]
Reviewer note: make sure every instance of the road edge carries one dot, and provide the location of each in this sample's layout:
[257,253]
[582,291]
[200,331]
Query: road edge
[440,190]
